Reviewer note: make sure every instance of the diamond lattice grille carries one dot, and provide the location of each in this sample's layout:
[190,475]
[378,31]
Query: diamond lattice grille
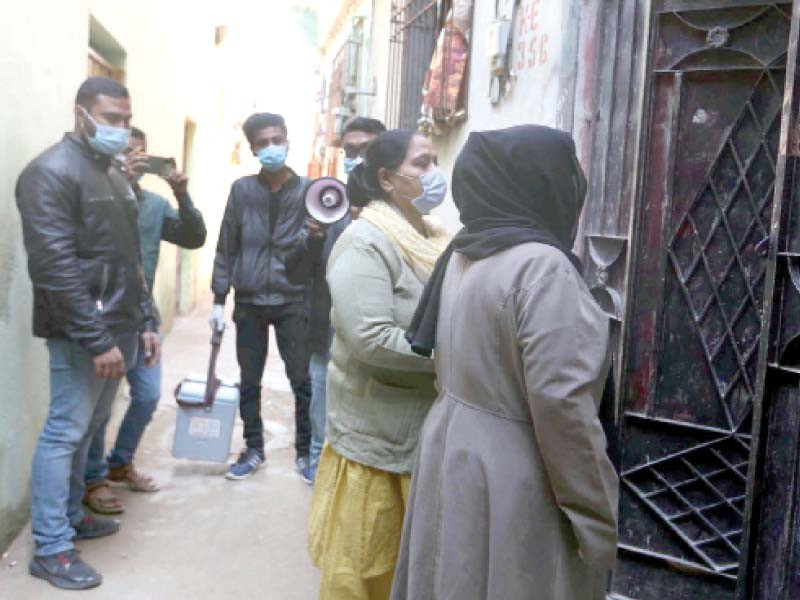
[716,249]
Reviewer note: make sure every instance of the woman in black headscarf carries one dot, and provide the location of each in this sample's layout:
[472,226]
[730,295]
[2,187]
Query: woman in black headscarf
[513,495]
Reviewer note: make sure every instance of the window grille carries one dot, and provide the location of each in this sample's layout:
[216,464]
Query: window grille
[414,25]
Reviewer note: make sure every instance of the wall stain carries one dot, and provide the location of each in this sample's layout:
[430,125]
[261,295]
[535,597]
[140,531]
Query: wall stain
[7,262]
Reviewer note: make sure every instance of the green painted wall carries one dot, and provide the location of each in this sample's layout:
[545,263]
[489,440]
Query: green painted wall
[36,112]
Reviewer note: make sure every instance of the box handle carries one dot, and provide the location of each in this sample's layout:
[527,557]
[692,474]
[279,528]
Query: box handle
[212,383]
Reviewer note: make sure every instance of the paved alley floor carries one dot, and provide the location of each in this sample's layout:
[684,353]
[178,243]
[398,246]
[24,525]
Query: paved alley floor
[201,536]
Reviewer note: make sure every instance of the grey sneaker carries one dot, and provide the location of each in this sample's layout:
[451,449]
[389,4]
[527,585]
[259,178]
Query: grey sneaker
[92,527]
[248,463]
[308,475]
[65,570]
[302,463]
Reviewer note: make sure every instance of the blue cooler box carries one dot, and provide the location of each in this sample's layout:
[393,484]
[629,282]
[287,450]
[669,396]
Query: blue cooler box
[204,433]
[205,420]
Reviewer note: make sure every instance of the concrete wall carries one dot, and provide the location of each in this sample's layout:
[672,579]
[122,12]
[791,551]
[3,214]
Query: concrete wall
[36,111]
[336,28]
[172,75]
[379,57]
[169,49]
[544,62]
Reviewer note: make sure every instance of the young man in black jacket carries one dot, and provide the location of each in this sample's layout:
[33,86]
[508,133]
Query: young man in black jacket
[91,304]
[263,220]
[306,264]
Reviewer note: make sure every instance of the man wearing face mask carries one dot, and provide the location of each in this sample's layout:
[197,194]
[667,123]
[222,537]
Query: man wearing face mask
[356,136]
[158,221]
[93,307]
[263,220]
[306,264]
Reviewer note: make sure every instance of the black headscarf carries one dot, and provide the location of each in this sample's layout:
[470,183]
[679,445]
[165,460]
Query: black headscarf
[511,186]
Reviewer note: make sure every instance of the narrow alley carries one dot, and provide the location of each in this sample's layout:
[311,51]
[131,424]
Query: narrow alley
[175,543]
[533,265]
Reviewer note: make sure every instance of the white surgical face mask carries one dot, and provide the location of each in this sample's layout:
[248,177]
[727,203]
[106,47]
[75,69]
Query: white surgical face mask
[351,163]
[107,140]
[434,190]
[273,157]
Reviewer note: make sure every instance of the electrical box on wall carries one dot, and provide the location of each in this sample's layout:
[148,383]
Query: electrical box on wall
[497,45]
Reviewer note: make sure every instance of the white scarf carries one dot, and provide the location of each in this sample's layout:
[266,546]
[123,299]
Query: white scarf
[418,251]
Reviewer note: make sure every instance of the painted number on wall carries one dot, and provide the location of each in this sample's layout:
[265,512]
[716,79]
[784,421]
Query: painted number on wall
[532,41]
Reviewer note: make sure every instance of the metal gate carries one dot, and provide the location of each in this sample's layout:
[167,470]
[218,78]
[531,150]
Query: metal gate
[709,354]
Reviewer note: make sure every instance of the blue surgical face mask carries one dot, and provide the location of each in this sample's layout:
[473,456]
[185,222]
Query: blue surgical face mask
[272,157]
[434,190]
[107,140]
[352,163]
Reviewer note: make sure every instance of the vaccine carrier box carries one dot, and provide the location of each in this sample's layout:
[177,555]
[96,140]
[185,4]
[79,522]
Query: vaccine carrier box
[205,420]
[204,432]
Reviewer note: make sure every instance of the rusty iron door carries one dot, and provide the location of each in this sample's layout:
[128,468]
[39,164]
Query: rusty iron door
[707,289]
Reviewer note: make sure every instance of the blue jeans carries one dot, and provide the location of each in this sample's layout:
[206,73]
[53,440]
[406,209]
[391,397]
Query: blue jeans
[318,370]
[79,403]
[145,384]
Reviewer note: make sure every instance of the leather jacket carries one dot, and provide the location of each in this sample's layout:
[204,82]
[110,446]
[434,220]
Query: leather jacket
[259,229]
[79,222]
[306,264]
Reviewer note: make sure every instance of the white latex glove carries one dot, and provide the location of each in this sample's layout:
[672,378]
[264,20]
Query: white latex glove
[217,319]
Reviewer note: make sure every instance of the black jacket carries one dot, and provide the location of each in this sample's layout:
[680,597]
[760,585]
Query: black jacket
[306,264]
[79,223]
[258,230]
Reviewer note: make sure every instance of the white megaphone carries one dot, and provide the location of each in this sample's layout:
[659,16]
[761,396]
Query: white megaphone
[326,200]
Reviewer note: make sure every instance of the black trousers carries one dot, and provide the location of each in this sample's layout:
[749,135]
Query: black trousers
[252,342]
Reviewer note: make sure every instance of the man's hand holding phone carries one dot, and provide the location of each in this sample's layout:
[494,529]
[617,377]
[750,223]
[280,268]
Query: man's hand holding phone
[179,183]
[136,163]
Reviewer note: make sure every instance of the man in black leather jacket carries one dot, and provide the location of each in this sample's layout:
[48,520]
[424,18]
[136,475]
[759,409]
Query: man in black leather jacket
[91,304]
[263,220]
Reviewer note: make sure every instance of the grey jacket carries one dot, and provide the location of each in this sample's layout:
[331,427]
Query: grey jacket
[79,222]
[379,391]
[514,496]
[258,230]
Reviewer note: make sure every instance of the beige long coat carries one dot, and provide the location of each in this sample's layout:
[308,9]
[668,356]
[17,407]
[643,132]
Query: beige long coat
[513,496]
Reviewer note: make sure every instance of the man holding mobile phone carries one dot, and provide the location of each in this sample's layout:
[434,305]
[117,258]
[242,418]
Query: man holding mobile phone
[91,304]
[158,221]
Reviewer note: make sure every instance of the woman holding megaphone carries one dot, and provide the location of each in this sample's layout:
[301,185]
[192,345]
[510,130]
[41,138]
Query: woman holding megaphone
[379,390]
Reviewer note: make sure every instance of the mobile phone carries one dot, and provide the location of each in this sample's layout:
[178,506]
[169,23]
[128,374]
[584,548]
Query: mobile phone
[160,165]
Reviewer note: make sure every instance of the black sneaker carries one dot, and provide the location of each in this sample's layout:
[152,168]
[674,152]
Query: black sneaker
[92,527]
[248,463]
[65,570]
